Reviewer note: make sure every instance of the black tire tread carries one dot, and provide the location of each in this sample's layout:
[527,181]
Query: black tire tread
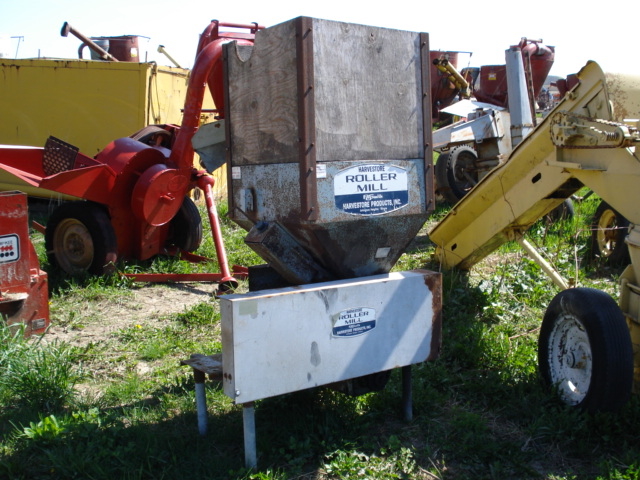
[186,227]
[610,343]
[96,218]
[442,179]
[454,155]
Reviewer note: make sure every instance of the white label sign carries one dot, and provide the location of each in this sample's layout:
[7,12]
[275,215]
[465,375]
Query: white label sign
[353,322]
[372,189]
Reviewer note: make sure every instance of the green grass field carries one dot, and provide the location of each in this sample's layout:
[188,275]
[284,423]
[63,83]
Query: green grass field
[120,406]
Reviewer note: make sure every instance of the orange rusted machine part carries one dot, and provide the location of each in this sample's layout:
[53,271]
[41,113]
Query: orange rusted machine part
[24,297]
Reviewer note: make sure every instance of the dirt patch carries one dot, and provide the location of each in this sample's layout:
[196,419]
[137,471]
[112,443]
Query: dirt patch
[144,305]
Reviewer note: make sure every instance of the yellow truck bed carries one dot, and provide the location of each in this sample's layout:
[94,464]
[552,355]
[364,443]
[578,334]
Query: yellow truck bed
[87,104]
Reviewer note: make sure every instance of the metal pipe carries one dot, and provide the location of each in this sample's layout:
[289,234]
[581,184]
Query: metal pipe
[546,266]
[212,31]
[162,50]
[201,400]
[453,75]
[518,96]
[249,423]
[182,152]
[205,37]
[633,243]
[209,54]
[66,29]
[205,183]
[407,393]
[20,39]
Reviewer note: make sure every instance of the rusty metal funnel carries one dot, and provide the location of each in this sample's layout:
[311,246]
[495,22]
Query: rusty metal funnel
[339,181]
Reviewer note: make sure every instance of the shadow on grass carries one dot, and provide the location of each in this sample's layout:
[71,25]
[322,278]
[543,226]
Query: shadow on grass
[477,415]
[513,432]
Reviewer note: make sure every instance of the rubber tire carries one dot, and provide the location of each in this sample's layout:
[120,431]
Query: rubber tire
[79,239]
[596,321]
[608,227]
[186,227]
[564,211]
[459,185]
[442,179]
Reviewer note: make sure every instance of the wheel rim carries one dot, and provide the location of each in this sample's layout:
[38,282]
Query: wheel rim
[73,246]
[464,171]
[570,359]
[607,233]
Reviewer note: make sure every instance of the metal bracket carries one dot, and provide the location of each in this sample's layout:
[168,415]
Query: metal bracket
[569,130]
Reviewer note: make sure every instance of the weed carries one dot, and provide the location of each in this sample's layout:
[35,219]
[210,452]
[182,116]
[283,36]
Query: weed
[12,345]
[45,431]
[201,314]
[39,375]
[354,464]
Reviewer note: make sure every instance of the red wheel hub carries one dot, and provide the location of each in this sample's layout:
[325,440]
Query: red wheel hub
[158,194]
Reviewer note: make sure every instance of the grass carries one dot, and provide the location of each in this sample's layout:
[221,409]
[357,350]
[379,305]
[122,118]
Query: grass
[479,410]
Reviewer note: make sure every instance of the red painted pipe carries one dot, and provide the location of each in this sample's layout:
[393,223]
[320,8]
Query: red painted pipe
[205,183]
[182,152]
[205,37]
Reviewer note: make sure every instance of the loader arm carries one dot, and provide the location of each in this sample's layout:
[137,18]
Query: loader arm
[576,144]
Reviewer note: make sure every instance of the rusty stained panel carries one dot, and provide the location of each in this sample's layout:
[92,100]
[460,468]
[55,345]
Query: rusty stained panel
[285,255]
[306,119]
[433,281]
[346,244]
[624,93]
[289,339]
[425,58]
[351,249]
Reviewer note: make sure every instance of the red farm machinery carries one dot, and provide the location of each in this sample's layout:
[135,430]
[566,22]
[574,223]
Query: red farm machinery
[131,199]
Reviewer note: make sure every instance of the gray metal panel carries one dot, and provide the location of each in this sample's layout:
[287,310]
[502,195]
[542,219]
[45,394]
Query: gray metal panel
[345,241]
[271,192]
[285,340]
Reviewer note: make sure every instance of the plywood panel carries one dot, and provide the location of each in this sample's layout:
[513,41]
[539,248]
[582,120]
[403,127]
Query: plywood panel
[368,92]
[366,88]
[263,98]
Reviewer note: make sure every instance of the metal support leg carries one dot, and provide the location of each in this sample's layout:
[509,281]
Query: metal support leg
[201,401]
[249,421]
[407,394]
[205,183]
[544,265]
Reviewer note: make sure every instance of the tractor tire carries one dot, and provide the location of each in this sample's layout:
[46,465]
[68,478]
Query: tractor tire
[564,211]
[79,239]
[462,173]
[442,179]
[608,231]
[585,351]
[185,229]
